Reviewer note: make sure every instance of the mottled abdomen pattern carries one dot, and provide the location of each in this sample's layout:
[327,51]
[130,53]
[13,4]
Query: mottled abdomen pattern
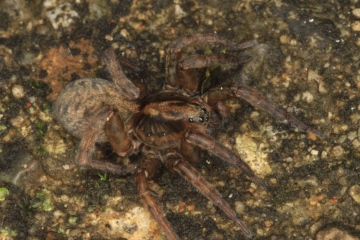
[80,101]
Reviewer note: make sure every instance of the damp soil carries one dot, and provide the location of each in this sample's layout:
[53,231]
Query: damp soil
[308,63]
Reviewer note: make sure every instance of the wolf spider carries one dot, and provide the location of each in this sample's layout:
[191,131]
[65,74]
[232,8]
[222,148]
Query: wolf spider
[168,128]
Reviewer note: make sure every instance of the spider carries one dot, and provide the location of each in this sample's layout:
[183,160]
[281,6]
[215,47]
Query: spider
[168,128]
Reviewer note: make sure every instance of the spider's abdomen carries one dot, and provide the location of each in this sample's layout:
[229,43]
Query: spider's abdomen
[162,122]
[80,101]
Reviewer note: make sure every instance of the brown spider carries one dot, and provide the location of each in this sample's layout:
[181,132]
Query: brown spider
[169,128]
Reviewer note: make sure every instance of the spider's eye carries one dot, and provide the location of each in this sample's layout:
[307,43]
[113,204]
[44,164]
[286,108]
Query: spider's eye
[191,120]
[201,119]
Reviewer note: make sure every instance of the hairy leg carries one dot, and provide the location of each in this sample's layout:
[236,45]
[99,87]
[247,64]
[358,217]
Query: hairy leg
[152,205]
[216,148]
[87,146]
[173,69]
[201,61]
[117,135]
[257,100]
[193,176]
[125,86]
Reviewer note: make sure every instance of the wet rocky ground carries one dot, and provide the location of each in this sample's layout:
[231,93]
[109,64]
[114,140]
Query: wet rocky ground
[308,63]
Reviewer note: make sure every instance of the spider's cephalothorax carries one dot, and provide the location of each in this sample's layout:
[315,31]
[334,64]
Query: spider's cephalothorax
[163,120]
[169,128]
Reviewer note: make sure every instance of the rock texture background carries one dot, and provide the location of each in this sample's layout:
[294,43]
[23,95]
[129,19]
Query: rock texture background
[310,67]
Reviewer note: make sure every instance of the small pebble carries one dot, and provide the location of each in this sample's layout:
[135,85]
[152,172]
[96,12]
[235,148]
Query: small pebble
[334,234]
[343,181]
[355,26]
[354,192]
[356,12]
[18,91]
[124,33]
[293,42]
[284,39]
[109,37]
[307,96]
[338,151]
[273,181]
[356,144]
[358,44]
[352,135]
[17,121]
[314,152]
[239,207]
[268,223]
[260,232]
[64,198]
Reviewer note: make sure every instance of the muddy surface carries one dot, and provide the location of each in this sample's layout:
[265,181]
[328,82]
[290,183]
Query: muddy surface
[310,67]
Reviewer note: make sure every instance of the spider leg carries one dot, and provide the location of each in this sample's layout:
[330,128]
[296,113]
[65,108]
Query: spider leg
[193,176]
[148,167]
[125,86]
[189,151]
[201,61]
[257,100]
[185,79]
[117,135]
[206,142]
[173,72]
[186,75]
[87,145]
[206,38]
[223,110]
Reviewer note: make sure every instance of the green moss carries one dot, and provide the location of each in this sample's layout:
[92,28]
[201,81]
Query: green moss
[4,232]
[3,193]
[42,128]
[103,177]
[44,201]
[40,150]
[72,220]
